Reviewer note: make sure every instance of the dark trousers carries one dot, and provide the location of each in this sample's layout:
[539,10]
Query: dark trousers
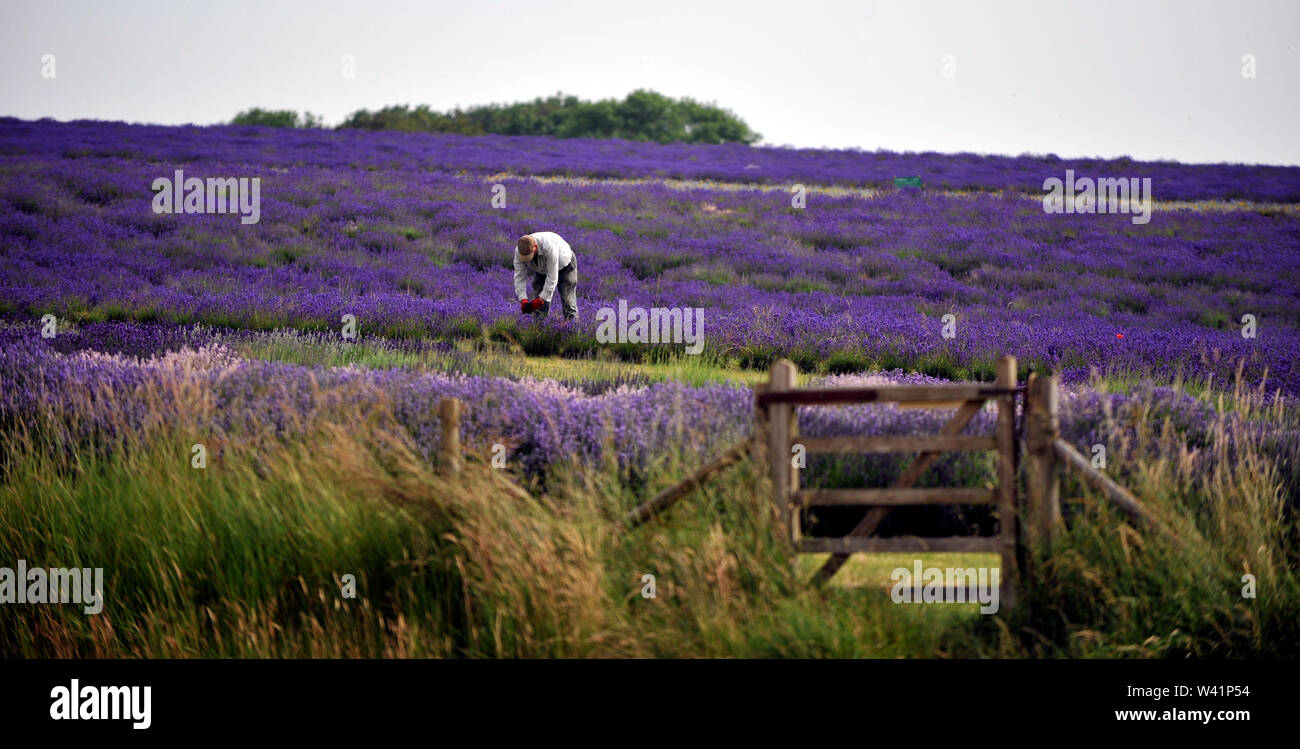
[566,287]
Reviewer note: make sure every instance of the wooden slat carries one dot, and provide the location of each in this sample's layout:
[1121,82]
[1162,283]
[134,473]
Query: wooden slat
[903,443]
[910,476]
[851,544]
[884,394]
[668,497]
[896,497]
[1121,497]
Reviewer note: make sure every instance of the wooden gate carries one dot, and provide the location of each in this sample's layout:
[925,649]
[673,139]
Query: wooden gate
[777,434]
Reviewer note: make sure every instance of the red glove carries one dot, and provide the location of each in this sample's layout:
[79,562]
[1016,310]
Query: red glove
[524,304]
[536,304]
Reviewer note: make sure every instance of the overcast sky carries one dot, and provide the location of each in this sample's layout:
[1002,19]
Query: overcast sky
[1146,79]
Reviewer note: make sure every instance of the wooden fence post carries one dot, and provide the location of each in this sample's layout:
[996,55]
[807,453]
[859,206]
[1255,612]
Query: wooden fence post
[449,415]
[781,427]
[1042,477]
[795,511]
[1006,492]
[1051,390]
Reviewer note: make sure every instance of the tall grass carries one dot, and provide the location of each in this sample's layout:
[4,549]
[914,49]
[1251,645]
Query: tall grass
[246,557]
[1109,588]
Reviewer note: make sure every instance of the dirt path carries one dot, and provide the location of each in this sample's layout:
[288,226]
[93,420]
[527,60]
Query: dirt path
[866,193]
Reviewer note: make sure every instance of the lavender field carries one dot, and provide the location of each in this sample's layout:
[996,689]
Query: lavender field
[538,156]
[848,283]
[172,330]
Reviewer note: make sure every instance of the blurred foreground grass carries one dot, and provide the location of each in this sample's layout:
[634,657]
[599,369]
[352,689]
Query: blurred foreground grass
[246,557]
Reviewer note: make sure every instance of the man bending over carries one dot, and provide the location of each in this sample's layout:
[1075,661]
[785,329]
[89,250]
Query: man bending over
[549,261]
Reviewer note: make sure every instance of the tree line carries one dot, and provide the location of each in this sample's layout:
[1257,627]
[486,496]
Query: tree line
[641,115]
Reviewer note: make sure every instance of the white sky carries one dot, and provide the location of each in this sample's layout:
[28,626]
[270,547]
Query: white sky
[1097,78]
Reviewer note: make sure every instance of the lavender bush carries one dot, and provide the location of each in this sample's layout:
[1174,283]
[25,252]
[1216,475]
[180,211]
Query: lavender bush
[87,400]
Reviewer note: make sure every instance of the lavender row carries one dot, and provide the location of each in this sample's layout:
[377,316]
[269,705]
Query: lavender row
[87,400]
[391,151]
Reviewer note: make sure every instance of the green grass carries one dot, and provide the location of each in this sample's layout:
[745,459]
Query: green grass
[617,229]
[474,358]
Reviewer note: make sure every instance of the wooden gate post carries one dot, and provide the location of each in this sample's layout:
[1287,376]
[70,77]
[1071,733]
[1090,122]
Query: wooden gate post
[1051,389]
[782,428]
[1042,475]
[1033,450]
[449,416]
[1005,437]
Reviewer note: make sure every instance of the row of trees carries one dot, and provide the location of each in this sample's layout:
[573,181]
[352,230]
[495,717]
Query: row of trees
[641,115]
[277,118]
